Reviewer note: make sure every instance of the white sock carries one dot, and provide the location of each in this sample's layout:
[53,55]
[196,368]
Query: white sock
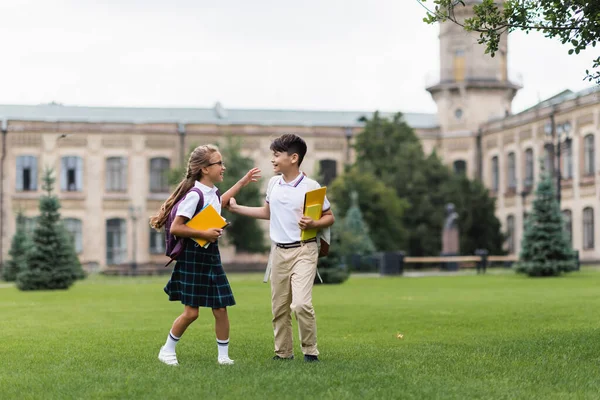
[171,343]
[223,346]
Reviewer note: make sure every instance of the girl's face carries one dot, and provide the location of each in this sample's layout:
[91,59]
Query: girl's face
[215,169]
[283,162]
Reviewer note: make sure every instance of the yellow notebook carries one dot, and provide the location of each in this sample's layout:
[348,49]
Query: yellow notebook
[313,207]
[207,218]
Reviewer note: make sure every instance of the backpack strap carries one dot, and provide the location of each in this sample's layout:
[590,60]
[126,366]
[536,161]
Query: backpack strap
[199,208]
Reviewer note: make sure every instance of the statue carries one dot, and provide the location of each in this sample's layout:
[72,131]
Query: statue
[450,237]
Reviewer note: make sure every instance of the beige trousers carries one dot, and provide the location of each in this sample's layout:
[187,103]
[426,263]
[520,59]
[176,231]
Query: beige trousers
[292,276]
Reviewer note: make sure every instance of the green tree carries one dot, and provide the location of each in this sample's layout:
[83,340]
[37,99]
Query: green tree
[333,268]
[243,232]
[68,250]
[381,208]
[358,238]
[49,264]
[390,151]
[545,248]
[575,22]
[20,246]
[478,224]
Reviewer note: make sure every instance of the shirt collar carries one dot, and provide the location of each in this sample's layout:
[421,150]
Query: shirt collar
[295,182]
[205,189]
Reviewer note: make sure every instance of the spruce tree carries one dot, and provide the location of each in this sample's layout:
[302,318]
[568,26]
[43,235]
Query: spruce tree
[333,268]
[20,246]
[545,248]
[49,265]
[68,250]
[356,226]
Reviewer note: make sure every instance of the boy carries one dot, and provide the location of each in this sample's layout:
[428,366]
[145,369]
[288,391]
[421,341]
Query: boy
[294,263]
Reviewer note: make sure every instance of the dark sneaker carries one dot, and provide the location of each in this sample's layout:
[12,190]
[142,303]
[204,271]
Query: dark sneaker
[277,358]
[309,358]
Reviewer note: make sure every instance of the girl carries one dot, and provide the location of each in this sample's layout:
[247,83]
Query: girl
[198,279]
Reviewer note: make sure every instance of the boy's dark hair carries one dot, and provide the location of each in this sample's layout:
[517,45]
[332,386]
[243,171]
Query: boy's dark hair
[290,144]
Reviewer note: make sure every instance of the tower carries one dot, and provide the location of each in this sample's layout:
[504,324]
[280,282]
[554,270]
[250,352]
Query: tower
[473,86]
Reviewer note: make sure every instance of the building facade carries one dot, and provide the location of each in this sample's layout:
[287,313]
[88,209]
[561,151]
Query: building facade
[111,163]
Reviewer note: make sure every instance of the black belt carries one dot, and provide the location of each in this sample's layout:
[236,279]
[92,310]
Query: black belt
[293,245]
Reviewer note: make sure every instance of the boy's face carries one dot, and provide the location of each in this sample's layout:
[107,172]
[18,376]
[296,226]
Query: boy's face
[283,162]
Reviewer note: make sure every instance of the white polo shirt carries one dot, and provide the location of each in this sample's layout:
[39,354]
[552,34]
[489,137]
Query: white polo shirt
[286,202]
[187,207]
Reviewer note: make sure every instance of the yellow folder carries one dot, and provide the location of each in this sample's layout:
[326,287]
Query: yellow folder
[313,207]
[207,218]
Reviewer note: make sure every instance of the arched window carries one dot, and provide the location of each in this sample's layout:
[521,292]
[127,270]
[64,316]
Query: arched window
[588,228]
[568,220]
[567,161]
[328,171]
[495,174]
[116,243]
[511,171]
[510,233]
[589,155]
[73,226]
[157,241]
[460,167]
[528,168]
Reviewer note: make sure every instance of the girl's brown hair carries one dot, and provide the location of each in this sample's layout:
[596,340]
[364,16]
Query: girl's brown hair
[199,159]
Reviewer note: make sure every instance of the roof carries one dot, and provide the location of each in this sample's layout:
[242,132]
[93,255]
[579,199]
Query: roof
[561,97]
[216,115]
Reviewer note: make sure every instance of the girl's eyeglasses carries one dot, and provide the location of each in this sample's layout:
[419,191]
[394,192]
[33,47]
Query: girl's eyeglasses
[219,163]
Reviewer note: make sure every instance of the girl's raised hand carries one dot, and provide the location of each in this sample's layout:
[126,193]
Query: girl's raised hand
[252,176]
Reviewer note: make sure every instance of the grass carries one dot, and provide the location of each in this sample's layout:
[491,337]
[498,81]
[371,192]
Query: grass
[465,337]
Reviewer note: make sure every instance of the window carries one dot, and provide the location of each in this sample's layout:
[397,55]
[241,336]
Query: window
[495,174]
[568,220]
[73,226]
[157,241]
[510,233]
[458,113]
[549,159]
[588,155]
[26,173]
[588,228]
[29,225]
[567,162]
[328,171]
[159,167]
[512,171]
[528,168]
[116,244]
[116,174]
[460,167]
[459,65]
[71,177]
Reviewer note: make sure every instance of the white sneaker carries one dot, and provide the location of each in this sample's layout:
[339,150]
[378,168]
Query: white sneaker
[225,360]
[167,358]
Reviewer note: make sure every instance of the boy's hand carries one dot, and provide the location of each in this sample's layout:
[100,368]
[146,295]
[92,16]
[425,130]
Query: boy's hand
[306,223]
[252,176]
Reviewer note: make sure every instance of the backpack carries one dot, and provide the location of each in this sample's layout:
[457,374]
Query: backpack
[174,245]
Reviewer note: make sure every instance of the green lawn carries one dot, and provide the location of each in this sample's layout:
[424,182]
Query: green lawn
[495,336]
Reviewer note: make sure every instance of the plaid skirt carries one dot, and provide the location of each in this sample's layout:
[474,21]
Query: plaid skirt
[198,278]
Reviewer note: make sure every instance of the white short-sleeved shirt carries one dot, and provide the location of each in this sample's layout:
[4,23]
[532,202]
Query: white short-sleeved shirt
[187,207]
[286,202]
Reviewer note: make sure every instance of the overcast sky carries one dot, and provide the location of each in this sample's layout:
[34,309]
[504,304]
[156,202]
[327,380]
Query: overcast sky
[310,54]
